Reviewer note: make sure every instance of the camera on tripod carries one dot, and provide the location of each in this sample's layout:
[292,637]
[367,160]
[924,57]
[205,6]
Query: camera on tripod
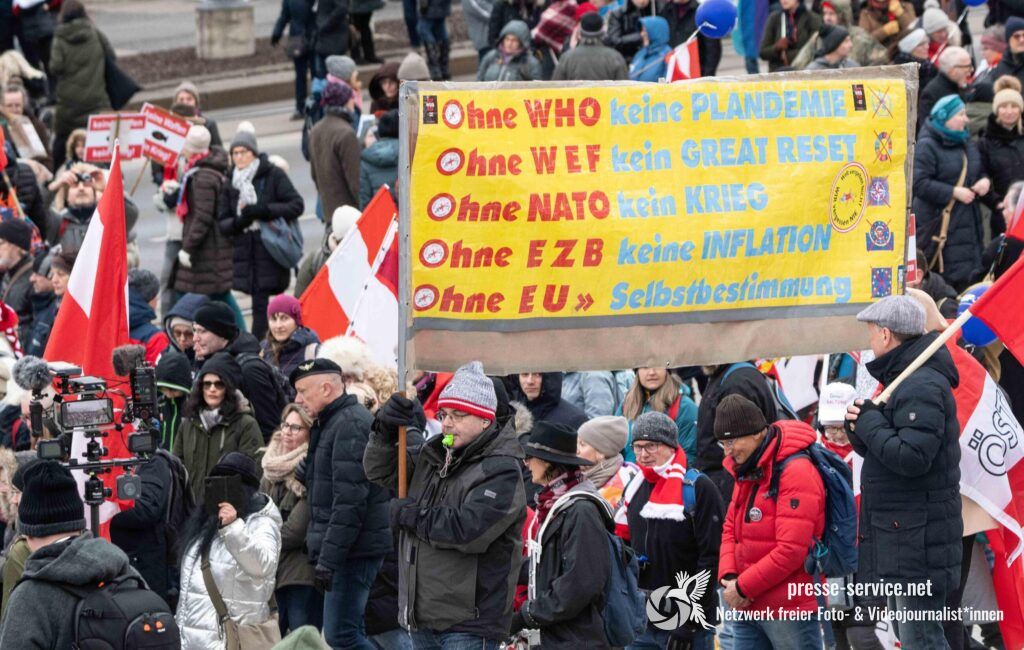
[81,403]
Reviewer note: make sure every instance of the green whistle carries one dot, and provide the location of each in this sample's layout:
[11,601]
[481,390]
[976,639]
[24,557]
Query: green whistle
[448,440]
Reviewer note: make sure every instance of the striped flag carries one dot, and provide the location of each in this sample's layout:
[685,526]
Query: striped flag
[93,316]
[683,62]
[1000,308]
[912,249]
[356,292]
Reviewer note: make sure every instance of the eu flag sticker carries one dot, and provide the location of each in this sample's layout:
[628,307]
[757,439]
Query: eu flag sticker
[881,282]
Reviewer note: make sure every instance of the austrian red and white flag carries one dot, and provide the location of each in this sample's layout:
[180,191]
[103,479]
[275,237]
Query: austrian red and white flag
[93,315]
[1001,307]
[356,292]
[912,249]
[683,62]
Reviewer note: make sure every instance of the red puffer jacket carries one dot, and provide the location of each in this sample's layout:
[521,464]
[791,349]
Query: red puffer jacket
[768,554]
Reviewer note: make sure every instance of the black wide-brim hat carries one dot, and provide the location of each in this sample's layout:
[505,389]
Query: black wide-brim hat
[553,442]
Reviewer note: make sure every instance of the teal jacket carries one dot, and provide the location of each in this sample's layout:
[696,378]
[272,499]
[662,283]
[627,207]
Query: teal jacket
[685,412]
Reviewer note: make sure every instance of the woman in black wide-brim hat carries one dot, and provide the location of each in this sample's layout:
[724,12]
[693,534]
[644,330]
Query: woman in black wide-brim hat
[568,545]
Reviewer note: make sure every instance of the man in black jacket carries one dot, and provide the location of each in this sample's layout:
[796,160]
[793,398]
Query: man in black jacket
[745,380]
[955,69]
[348,534]
[910,513]
[215,330]
[460,529]
[541,393]
[16,266]
[673,537]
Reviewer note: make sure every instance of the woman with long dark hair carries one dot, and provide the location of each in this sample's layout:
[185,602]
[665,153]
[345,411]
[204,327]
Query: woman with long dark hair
[235,553]
[216,422]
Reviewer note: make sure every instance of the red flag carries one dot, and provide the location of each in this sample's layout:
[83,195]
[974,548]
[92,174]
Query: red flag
[1001,308]
[683,62]
[93,315]
[356,292]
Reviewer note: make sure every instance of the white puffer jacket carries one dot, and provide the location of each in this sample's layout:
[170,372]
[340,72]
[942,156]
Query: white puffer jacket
[243,560]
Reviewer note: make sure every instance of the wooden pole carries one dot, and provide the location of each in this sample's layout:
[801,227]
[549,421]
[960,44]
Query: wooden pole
[947,334]
[403,442]
[138,179]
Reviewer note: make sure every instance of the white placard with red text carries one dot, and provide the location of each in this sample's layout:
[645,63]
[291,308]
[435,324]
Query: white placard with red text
[165,134]
[129,129]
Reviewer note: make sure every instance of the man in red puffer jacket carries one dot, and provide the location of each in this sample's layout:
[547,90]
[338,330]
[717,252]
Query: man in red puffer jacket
[765,539]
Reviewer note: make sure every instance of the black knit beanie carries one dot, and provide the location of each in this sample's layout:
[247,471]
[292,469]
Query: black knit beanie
[217,318]
[50,503]
[736,417]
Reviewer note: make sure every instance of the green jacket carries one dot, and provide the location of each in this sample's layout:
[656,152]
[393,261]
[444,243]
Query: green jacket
[14,566]
[294,567]
[200,449]
[78,63]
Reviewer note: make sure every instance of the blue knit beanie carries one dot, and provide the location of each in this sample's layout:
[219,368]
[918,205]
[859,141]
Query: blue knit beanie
[946,108]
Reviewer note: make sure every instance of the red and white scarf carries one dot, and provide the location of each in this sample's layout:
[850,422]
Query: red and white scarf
[666,500]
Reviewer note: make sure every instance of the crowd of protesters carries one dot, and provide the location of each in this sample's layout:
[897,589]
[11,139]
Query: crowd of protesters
[516,483]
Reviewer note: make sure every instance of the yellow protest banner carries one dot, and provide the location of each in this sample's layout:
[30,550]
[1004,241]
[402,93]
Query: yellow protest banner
[538,208]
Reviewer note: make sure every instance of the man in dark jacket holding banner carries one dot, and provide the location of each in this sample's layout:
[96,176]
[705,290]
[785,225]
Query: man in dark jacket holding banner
[459,530]
[910,515]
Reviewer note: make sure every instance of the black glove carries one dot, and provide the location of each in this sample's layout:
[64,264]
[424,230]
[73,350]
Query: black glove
[274,40]
[864,406]
[322,578]
[403,513]
[257,212]
[677,643]
[399,411]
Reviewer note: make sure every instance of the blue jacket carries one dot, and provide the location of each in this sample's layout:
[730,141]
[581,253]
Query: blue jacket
[140,318]
[649,62]
[595,393]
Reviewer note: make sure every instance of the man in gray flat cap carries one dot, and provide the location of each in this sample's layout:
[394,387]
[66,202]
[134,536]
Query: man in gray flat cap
[910,522]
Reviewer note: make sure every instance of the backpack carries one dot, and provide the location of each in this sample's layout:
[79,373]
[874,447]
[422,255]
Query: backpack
[782,405]
[180,504]
[623,613]
[835,554]
[122,615]
[689,491]
[284,393]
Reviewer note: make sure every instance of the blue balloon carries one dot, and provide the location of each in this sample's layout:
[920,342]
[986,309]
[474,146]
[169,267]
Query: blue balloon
[716,18]
[974,331]
[974,3]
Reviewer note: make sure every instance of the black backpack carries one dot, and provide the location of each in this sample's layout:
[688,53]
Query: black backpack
[283,388]
[122,615]
[180,504]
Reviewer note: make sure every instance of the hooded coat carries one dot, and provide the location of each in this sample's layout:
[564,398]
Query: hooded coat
[549,405]
[649,62]
[766,553]
[521,67]
[173,371]
[78,64]
[141,328]
[910,514]
[378,166]
[211,252]
[458,569]
[79,562]
[256,271]
[186,309]
[243,561]
[937,167]
[381,102]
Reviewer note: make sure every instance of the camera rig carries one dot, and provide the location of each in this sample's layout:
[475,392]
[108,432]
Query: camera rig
[82,403]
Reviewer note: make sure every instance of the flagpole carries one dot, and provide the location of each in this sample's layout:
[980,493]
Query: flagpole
[947,334]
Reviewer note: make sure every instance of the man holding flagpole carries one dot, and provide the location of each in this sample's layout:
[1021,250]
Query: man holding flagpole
[910,521]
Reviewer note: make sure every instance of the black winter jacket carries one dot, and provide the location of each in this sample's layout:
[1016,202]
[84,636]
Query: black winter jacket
[331,27]
[298,16]
[937,168]
[458,571]
[31,198]
[44,312]
[937,88]
[910,523]
[624,29]
[1011,64]
[571,575]
[258,383]
[299,347]
[505,11]
[672,546]
[173,371]
[141,532]
[348,514]
[745,381]
[16,292]
[255,269]
[549,405]
[1002,158]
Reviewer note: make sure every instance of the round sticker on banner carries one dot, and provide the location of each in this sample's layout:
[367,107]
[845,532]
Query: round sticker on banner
[424,297]
[434,253]
[450,161]
[441,207]
[848,197]
[453,114]
[755,514]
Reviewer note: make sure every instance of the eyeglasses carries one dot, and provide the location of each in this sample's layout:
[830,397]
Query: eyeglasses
[214,385]
[726,444]
[294,428]
[639,449]
[456,416]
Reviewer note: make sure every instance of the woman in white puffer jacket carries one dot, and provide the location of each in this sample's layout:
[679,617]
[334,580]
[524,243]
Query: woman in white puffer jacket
[244,551]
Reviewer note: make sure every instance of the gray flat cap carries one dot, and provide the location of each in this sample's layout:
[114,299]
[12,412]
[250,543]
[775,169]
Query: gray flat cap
[901,314]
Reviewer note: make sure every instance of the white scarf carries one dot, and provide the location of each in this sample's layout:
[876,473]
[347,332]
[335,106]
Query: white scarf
[241,180]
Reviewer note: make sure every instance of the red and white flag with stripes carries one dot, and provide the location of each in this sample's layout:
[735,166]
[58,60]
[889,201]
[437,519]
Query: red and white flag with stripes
[356,292]
[93,315]
[683,62]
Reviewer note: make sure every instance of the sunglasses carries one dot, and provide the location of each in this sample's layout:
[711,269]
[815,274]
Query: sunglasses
[214,385]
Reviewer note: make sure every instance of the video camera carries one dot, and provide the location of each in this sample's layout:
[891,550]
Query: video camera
[82,404]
